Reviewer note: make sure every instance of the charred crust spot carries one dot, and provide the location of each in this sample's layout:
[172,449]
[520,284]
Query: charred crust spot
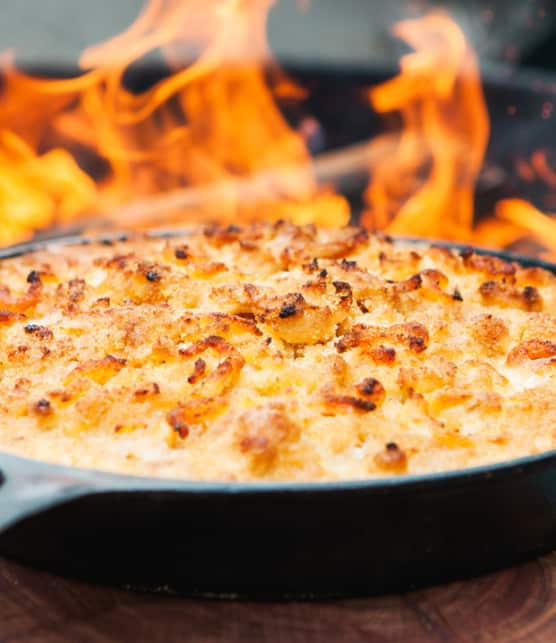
[372,390]
[415,282]
[40,331]
[149,389]
[225,375]
[212,341]
[368,386]
[181,252]
[392,458]
[177,422]
[323,273]
[342,288]
[221,236]
[383,355]
[42,407]
[348,266]
[532,297]
[312,266]
[362,306]
[409,285]
[34,277]
[412,334]
[249,317]
[119,261]
[76,290]
[357,403]
[287,310]
[417,344]
[199,370]
[466,252]
[506,295]
[456,295]
[152,275]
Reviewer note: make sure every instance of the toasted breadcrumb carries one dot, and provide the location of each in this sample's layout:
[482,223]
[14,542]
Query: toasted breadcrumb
[275,352]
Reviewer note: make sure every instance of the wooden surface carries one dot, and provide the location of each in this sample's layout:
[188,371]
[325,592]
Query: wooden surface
[518,604]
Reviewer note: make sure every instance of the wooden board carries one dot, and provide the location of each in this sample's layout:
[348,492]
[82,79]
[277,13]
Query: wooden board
[518,604]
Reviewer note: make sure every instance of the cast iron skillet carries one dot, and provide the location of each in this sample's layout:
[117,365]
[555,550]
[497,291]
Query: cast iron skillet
[275,539]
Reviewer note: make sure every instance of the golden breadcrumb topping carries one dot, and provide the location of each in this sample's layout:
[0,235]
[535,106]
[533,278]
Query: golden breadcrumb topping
[275,352]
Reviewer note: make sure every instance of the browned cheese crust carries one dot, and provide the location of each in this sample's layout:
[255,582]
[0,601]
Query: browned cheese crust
[275,352]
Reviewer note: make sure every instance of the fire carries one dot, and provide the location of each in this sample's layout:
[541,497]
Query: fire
[425,187]
[209,141]
[208,124]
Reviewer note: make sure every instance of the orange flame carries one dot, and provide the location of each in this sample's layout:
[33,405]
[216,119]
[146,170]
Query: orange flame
[209,142]
[425,187]
[213,121]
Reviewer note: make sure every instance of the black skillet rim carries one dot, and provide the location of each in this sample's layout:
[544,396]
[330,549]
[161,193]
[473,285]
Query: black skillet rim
[107,481]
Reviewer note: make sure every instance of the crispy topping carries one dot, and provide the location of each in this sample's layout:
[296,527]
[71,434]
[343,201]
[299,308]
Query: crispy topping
[176,420]
[530,350]
[199,371]
[287,310]
[181,252]
[392,459]
[371,389]
[500,293]
[42,407]
[275,351]
[40,331]
[152,275]
[148,390]
[357,403]
[412,334]
[491,332]
[34,277]
[487,264]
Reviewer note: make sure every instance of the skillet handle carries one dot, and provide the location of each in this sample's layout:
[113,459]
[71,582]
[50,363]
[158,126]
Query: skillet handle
[28,487]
